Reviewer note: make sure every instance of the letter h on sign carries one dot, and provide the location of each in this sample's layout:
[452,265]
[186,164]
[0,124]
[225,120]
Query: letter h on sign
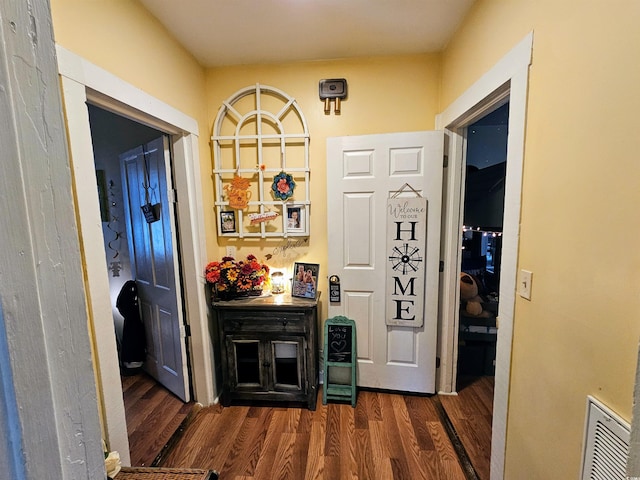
[399,230]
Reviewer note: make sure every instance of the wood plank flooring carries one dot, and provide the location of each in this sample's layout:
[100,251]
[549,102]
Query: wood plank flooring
[153,415]
[471,413]
[386,437]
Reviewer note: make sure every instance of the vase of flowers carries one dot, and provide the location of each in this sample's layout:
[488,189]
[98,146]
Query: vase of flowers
[231,278]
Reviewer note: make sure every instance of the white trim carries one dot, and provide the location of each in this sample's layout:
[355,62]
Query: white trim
[82,82]
[193,255]
[118,93]
[97,285]
[510,75]
[512,63]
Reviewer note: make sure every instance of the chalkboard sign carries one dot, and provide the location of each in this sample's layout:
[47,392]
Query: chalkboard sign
[340,353]
[340,339]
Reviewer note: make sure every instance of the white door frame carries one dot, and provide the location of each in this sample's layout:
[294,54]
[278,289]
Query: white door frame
[84,82]
[508,79]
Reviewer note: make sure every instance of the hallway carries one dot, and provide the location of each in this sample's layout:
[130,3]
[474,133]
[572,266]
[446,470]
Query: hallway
[387,435]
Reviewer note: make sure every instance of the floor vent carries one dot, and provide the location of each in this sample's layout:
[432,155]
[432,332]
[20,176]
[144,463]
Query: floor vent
[606,443]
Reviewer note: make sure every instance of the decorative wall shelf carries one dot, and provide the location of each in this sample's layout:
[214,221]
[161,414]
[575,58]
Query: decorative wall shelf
[258,133]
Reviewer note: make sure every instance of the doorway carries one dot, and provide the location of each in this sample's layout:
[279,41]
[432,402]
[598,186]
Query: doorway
[481,255]
[484,166]
[141,250]
[508,78]
[82,83]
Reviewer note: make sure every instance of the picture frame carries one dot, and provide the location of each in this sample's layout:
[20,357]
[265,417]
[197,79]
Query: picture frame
[228,221]
[305,280]
[295,218]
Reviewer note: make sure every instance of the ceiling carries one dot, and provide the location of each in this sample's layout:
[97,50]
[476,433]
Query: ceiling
[232,32]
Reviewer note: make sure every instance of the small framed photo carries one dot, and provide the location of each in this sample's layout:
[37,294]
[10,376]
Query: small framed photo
[228,221]
[305,280]
[295,218]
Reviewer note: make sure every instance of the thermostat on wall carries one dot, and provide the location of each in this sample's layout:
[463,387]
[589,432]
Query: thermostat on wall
[333,88]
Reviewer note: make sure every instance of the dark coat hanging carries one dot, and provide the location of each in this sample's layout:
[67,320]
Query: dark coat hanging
[133,335]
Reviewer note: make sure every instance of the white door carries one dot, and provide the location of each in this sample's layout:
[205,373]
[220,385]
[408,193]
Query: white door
[362,173]
[146,179]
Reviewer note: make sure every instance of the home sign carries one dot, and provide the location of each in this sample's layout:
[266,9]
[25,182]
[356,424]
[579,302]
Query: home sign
[405,272]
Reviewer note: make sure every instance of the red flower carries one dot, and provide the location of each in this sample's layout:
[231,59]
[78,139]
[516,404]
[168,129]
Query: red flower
[247,269]
[213,276]
[283,186]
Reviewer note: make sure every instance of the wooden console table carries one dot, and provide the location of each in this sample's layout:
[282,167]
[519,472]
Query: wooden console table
[269,348]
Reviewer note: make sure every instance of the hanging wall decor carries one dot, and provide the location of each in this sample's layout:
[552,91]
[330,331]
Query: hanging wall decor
[262,217]
[406,240]
[238,192]
[261,141]
[283,186]
[114,243]
[228,221]
[102,195]
[151,211]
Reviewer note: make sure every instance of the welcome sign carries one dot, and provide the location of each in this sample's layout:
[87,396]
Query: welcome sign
[405,272]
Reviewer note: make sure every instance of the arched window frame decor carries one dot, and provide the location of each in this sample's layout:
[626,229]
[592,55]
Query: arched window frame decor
[258,130]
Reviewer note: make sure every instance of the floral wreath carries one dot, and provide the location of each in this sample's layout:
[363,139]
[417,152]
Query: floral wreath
[283,186]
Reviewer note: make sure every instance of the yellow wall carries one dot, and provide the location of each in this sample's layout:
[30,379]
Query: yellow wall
[579,333]
[121,37]
[385,95]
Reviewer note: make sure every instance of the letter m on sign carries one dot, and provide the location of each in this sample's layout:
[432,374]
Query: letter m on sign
[403,288]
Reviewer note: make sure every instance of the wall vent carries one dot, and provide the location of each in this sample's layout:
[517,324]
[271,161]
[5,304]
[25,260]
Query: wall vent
[606,443]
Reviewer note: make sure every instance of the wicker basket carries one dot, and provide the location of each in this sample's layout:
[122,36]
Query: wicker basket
[150,473]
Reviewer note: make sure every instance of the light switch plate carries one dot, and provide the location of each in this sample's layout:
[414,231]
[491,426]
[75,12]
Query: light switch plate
[524,284]
[231,251]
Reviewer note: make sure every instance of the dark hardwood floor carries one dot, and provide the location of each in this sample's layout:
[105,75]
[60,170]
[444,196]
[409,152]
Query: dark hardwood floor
[471,413]
[153,415]
[386,437]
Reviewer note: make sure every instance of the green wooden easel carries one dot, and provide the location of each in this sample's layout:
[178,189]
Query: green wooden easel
[339,352]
